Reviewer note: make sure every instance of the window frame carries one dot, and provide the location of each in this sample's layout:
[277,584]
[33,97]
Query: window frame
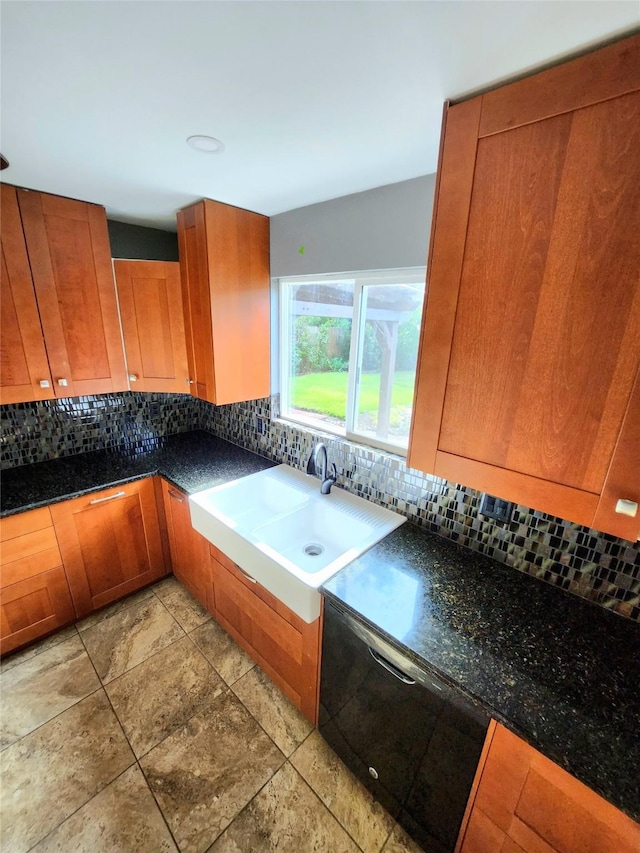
[361,280]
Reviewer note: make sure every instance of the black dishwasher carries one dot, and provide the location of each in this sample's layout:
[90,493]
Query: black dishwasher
[411,739]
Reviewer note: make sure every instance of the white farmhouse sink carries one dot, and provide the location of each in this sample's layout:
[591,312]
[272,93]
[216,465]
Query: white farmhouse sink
[278,527]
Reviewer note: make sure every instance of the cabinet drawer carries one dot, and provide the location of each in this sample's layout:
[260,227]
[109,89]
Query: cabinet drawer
[34,607]
[530,804]
[29,546]
[285,647]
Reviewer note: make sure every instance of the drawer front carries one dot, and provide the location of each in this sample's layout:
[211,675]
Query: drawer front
[286,647]
[24,522]
[264,629]
[34,607]
[29,546]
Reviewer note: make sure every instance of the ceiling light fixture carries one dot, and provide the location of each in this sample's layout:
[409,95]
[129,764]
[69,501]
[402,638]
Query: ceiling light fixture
[206,144]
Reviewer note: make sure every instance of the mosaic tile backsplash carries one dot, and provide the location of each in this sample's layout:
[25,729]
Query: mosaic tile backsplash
[592,565]
[49,429]
[587,563]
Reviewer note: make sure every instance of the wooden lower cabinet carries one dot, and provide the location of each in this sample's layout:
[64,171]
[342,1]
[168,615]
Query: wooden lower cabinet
[285,646]
[524,803]
[189,550]
[34,593]
[110,542]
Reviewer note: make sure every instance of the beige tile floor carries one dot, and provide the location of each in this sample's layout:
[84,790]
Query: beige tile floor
[145,728]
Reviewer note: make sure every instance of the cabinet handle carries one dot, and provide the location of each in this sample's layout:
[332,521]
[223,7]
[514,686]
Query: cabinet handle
[245,574]
[108,498]
[133,377]
[44,383]
[189,381]
[63,382]
[176,496]
[624,507]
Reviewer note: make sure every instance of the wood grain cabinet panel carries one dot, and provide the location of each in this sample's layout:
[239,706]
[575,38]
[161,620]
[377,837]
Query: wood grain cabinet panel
[286,647]
[23,357]
[110,543]
[525,802]
[70,257]
[34,593]
[224,262]
[153,325]
[531,333]
[189,550]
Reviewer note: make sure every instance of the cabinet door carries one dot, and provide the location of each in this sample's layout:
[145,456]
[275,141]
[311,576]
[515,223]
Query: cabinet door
[189,550]
[68,246]
[526,802]
[224,259]
[34,593]
[110,543]
[153,325]
[24,368]
[286,647]
[531,332]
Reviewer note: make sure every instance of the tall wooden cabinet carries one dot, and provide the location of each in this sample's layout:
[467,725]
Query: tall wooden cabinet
[224,261]
[60,325]
[524,803]
[531,333]
[110,542]
[153,325]
[24,367]
[70,257]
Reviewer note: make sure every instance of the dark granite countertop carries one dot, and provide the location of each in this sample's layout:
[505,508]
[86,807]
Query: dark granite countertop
[560,672]
[191,461]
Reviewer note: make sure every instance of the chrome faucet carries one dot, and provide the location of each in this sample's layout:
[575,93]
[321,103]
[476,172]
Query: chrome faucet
[318,464]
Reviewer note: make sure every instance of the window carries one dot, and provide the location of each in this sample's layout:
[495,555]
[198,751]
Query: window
[349,347]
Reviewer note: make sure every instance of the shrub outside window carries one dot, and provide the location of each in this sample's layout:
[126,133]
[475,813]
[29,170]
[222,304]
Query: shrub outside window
[349,348]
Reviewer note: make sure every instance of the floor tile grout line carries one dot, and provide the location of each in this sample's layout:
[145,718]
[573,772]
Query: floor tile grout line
[158,806]
[118,607]
[51,719]
[3,664]
[315,728]
[68,817]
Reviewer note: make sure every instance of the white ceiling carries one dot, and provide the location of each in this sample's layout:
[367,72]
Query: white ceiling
[313,100]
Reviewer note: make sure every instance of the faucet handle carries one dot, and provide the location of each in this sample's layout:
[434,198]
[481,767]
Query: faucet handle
[311,465]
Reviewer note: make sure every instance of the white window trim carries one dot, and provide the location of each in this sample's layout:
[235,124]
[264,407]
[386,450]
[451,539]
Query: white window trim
[369,277]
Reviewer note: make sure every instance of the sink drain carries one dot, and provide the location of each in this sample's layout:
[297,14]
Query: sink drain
[313,549]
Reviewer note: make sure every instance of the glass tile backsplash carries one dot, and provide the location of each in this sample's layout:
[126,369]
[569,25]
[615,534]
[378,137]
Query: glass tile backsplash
[592,565]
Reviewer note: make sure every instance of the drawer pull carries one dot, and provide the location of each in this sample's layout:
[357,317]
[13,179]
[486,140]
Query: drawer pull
[245,574]
[176,496]
[44,383]
[629,508]
[108,498]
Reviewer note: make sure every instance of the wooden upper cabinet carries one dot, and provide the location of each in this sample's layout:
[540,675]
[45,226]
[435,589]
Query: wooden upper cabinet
[24,368]
[153,325]
[531,332]
[524,803]
[68,246]
[224,261]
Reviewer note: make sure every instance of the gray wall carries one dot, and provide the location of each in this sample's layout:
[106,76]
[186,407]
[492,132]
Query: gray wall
[383,228]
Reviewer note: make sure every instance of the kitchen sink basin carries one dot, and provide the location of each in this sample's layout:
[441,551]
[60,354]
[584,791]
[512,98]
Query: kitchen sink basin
[280,530]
